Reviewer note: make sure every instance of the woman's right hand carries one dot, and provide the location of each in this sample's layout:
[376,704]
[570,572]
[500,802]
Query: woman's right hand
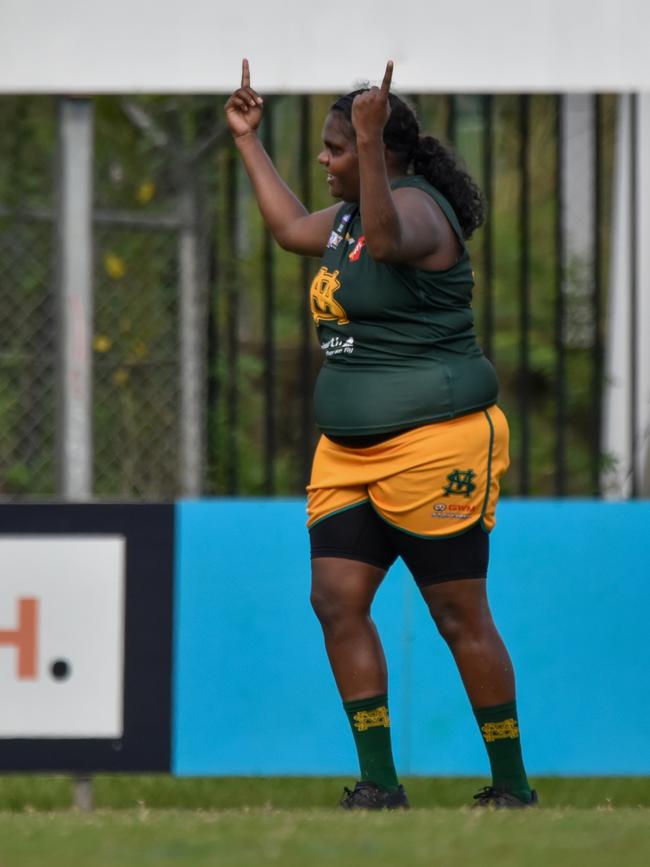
[244,108]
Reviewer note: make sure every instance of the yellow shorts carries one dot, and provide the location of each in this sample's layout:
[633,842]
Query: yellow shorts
[433,481]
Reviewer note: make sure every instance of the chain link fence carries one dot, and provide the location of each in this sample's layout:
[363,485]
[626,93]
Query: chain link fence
[27,357]
[203,355]
[135,347]
[27,305]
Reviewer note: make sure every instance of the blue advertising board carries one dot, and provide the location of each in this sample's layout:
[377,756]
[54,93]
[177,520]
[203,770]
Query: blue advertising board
[217,663]
[253,694]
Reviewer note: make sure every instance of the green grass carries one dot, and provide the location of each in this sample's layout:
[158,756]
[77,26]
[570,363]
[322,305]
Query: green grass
[38,792]
[141,821]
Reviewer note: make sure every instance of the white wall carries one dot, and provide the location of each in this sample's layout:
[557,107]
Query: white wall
[86,46]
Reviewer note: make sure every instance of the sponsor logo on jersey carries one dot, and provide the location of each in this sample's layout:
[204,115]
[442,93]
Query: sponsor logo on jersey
[358,247]
[344,221]
[334,241]
[337,234]
[324,307]
[338,345]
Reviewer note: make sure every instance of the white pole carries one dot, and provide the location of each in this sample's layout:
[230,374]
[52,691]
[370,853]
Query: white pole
[192,314]
[83,793]
[643,361]
[75,301]
[618,398]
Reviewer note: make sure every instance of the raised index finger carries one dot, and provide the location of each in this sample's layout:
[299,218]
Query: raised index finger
[245,73]
[388,76]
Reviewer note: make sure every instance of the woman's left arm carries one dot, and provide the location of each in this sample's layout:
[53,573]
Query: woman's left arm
[401,225]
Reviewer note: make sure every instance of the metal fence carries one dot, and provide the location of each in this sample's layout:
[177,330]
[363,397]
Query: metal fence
[203,354]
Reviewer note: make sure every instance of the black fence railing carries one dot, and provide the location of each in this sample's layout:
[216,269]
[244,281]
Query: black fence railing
[527,301]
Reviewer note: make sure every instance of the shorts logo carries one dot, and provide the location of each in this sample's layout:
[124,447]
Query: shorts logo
[500,731]
[460,482]
[453,511]
[370,719]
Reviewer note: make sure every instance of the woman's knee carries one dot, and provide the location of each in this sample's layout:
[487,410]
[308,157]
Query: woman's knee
[341,595]
[451,624]
[327,606]
[458,617]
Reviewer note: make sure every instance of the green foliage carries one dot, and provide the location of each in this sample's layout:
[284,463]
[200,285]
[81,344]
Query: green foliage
[145,163]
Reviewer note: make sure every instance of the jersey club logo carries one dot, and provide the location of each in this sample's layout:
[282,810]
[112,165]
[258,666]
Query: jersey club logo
[460,482]
[323,305]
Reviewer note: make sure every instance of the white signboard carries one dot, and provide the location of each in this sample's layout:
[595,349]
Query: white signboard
[61,636]
[191,46]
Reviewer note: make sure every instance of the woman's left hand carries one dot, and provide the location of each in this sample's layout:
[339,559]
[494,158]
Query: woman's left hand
[371,109]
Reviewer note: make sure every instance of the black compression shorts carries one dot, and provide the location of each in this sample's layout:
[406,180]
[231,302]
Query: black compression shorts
[360,534]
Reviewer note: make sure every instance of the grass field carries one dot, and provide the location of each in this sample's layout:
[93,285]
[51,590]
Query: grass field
[141,821]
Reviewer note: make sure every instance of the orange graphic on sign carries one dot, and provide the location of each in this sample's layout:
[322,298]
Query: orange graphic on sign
[24,638]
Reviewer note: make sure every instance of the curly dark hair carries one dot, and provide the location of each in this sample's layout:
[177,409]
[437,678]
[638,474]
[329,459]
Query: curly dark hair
[427,157]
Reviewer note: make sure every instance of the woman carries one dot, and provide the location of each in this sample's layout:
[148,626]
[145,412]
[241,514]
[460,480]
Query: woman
[413,444]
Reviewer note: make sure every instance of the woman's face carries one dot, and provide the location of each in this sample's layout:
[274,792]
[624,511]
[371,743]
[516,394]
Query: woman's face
[339,157]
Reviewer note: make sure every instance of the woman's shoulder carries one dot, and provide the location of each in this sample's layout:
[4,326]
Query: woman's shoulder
[421,183]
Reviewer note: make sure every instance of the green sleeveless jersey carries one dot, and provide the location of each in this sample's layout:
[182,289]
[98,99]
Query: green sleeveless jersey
[399,341]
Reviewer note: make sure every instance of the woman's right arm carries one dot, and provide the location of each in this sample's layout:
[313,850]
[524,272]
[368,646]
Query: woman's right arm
[292,226]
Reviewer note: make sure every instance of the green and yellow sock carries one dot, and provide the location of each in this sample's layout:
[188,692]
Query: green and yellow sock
[370,725]
[500,729]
